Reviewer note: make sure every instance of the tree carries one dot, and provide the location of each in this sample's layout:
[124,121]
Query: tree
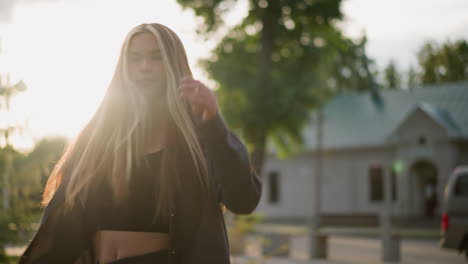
[7,155]
[28,175]
[284,59]
[392,79]
[349,68]
[22,175]
[7,91]
[412,80]
[44,156]
[447,62]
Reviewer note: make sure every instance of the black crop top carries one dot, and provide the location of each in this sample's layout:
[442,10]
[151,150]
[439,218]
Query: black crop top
[138,215]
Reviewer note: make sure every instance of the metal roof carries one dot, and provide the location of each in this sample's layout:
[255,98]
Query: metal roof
[355,120]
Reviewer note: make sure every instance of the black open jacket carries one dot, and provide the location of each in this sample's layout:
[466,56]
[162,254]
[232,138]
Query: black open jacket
[197,235]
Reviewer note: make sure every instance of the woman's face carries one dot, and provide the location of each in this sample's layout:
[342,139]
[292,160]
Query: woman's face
[145,64]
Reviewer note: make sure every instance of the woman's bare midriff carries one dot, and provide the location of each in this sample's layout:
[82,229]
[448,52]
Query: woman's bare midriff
[111,245]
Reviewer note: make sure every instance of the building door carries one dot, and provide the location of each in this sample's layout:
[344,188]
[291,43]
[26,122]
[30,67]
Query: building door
[423,189]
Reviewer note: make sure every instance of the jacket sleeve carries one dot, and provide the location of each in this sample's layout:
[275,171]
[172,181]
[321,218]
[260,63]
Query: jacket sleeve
[239,187]
[61,237]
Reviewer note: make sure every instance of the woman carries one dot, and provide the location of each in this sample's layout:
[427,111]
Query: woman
[144,179]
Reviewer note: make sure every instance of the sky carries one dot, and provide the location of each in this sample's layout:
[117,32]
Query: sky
[66,50]
[396,29]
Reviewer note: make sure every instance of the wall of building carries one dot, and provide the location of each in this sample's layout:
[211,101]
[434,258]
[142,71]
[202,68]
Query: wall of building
[345,182]
[345,187]
[420,138]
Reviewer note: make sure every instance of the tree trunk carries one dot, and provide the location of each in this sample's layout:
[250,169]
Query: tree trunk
[258,153]
[259,135]
[267,18]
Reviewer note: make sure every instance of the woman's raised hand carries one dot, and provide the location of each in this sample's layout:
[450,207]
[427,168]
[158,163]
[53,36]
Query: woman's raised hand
[201,99]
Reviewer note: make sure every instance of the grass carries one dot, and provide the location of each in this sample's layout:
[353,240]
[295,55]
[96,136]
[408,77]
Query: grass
[10,260]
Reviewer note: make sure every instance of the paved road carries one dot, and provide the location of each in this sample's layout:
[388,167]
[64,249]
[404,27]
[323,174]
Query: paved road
[350,250]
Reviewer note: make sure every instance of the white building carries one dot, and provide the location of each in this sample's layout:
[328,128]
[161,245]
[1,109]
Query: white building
[423,132]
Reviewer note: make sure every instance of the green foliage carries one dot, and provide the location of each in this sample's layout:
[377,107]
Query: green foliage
[412,80]
[244,224]
[22,176]
[281,62]
[211,11]
[444,62]
[28,175]
[8,259]
[15,221]
[45,155]
[302,77]
[249,106]
[392,79]
[306,13]
[239,228]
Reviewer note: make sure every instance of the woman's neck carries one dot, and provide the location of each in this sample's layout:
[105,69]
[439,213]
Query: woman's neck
[158,130]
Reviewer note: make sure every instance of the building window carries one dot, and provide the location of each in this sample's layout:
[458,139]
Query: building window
[461,185]
[376,184]
[273,184]
[422,140]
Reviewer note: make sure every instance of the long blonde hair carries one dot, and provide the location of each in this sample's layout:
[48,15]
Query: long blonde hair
[107,147]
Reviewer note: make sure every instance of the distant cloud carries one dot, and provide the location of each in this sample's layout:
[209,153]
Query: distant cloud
[7,7]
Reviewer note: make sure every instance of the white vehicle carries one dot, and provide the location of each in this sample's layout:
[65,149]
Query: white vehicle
[454,226]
